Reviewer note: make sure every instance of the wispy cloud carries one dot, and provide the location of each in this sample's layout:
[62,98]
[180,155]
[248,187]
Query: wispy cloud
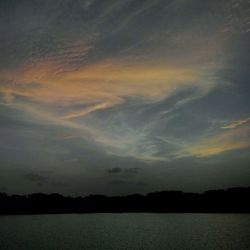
[64,98]
[66,136]
[236,123]
[238,138]
[96,89]
[88,110]
[69,80]
[105,81]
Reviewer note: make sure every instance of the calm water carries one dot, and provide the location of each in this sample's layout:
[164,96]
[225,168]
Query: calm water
[125,231]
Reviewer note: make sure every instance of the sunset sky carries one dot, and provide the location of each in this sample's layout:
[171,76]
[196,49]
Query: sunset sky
[124,96]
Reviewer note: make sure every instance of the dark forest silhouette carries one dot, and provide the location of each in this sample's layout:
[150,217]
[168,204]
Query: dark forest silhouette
[235,200]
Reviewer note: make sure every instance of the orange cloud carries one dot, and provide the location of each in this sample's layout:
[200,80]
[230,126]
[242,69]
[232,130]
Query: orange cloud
[226,141]
[48,84]
[104,82]
[66,136]
[237,123]
[88,110]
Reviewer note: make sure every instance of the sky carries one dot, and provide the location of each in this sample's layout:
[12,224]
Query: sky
[124,96]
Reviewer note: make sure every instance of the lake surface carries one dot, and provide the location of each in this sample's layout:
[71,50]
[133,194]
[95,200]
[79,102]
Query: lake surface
[125,231]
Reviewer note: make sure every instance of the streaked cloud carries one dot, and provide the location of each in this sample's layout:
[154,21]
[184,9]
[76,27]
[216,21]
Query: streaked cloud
[236,139]
[100,86]
[108,80]
[237,123]
[124,86]
[66,136]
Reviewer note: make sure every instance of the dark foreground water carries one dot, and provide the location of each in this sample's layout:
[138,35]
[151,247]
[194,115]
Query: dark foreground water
[125,231]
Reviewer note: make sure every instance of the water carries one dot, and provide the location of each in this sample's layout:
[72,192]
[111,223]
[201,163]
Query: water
[125,231]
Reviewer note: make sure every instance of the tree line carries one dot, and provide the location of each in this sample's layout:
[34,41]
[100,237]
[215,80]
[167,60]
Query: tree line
[232,200]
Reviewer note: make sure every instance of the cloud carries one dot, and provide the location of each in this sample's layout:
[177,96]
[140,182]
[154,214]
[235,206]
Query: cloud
[8,98]
[88,110]
[125,170]
[94,89]
[66,97]
[128,183]
[38,179]
[66,136]
[236,139]
[236,124]
[132,170]
[100,67]
[114,170]
[107,81]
